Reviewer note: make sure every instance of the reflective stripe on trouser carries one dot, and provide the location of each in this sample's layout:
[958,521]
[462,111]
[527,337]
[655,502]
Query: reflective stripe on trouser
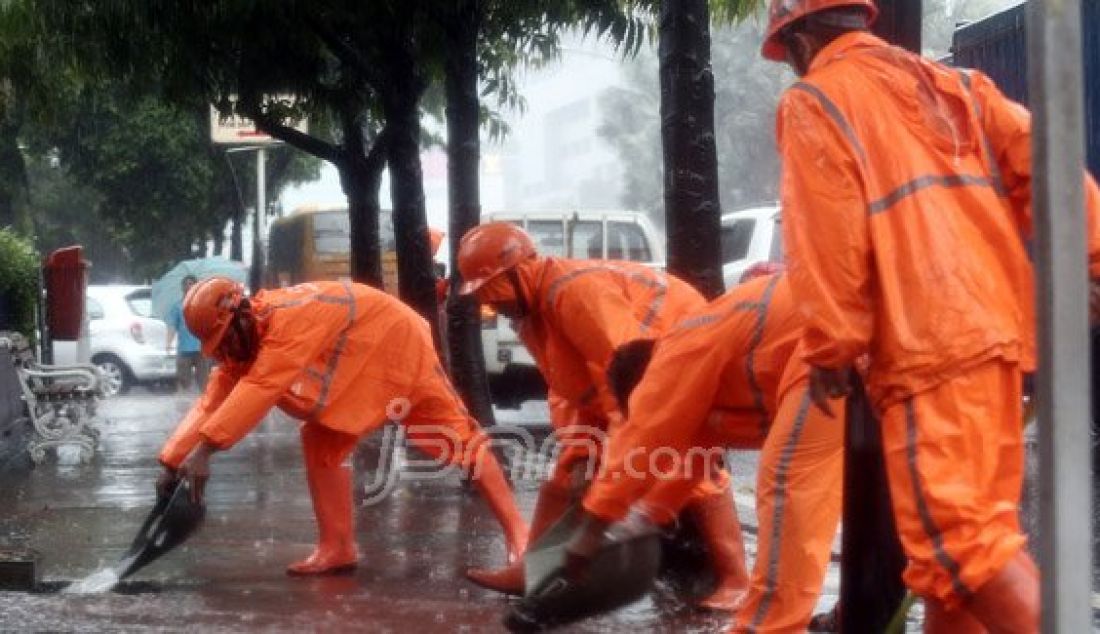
[798,499]
[955,461]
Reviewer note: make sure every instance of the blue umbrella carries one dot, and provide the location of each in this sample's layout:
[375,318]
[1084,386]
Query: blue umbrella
[166,290]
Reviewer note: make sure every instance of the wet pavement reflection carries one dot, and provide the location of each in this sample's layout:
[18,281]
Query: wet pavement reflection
[415,542]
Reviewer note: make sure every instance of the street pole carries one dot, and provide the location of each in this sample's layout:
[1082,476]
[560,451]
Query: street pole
[255,276]
[1062,382]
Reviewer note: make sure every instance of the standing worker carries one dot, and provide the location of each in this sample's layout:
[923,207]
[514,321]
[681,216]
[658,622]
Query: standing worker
[731,377]
[572,315]
[906,193]
[344,358]
[191,367]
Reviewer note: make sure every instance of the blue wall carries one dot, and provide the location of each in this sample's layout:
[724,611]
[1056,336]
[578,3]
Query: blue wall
[997,46]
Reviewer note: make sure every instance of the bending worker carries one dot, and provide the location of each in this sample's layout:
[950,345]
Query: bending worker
[731,377]
[572,315]
[906,193]
[344,358]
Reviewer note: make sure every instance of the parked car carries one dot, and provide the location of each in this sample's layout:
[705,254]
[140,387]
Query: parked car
[749,236]
[125,341]
[618,235]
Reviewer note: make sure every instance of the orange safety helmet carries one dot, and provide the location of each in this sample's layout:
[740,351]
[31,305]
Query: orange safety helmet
[435,239]
[490,249]
[783,13]
[208,310]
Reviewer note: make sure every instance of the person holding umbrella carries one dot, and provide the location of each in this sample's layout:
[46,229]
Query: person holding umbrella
[191,367]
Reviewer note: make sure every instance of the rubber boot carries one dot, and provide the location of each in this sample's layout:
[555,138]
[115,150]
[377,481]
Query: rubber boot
[493,486]
[939,620]
[721,532]
[1009,602]
[336,552]
[552,503]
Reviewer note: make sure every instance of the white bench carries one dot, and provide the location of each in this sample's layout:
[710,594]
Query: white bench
[61,400]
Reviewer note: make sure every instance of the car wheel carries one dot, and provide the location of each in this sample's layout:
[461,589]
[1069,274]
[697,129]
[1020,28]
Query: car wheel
[115,373]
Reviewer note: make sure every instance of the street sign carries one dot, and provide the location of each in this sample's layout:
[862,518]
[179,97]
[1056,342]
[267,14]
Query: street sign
[235,129]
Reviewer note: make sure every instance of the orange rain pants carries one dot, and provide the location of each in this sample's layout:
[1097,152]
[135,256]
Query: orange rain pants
[729,377]
[346,358]
[906,198]
[955,460]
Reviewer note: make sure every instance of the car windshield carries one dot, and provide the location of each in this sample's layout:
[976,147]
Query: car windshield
[141,302]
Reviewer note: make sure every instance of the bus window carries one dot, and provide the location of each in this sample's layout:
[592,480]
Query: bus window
[587,239]
[626,241]
[331,233]
[548,236]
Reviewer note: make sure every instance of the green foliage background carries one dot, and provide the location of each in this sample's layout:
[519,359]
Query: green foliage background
[18,281]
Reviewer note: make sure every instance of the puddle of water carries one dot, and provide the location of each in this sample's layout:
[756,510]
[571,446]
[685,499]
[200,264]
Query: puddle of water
[95,583]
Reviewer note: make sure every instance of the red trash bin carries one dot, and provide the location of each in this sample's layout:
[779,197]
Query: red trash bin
[65,272]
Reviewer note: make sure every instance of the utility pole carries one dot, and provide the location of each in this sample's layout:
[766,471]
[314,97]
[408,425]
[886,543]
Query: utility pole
[1062,382]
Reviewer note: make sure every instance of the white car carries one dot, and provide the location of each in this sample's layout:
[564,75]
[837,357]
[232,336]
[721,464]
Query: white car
[595,235]
[749,236]
[125,341]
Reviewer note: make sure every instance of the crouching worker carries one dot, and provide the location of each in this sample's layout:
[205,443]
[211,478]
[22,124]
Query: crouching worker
[344,358]
[572,315]
[730,377]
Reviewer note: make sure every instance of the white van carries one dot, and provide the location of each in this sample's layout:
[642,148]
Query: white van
[749,236]
[585,235]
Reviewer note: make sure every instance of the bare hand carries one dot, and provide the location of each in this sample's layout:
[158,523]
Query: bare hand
[196,470]
[826,384]
[586,542]
[166,482]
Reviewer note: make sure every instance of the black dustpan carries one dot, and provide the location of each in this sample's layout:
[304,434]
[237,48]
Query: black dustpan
[173,519]
[619,574]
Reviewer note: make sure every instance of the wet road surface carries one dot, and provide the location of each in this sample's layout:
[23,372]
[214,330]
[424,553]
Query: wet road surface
[415,542]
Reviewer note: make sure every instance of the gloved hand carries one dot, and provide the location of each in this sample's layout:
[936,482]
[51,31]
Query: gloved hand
[586,542]
[196,470]
[827,383]
[166,482]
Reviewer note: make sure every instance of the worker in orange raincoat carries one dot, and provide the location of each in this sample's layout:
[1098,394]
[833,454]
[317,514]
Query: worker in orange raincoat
[572,315]
[906,194]
[730,376]
[344,358]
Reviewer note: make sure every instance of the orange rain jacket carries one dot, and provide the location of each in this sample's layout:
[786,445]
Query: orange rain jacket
[906,196]
[341,355]
[714,381]
[582,310]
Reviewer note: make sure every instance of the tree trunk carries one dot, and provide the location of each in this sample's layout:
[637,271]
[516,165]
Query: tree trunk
[899,22]
[415,277]
[464,201]
[361,179]
[13,173]
[236,236]
[692,207]
[219,242]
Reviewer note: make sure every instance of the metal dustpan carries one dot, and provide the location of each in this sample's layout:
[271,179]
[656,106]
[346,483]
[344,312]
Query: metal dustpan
[173,519]
[620,573]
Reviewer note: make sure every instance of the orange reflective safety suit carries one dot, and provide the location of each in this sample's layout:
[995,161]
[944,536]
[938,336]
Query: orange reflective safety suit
[906,195]
[345,358]
[581,311]
[731,376]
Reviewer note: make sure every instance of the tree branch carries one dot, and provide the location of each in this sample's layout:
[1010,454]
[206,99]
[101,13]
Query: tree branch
[321,149]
